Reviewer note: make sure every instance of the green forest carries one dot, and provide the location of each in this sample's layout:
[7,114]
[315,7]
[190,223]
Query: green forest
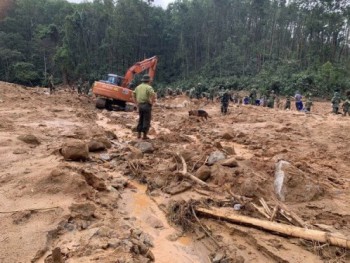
[239,44]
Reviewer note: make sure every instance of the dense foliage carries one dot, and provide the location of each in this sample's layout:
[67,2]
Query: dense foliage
[266,44]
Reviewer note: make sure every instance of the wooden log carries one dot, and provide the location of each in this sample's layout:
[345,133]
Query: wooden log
[309,234]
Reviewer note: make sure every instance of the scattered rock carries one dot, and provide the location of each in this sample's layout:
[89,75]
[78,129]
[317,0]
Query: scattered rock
[104,140]
[231,162]
[92,180]
[134,153]
[75,151]
[215,157]
[154,222]
[249,187]
[145,147]
[57,256]
[19,151]
[230,150]
[203,173]
[176,188]
[227,136]
[111,135]
[82,210]
[105,157]
[221,174]
[29,138]
[95,146]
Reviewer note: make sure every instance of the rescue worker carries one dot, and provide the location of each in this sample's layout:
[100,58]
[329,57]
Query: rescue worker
[346,107]
[144,96]
[271,100]
[346,104]
[287,105]
[253,97]
[225,99]
[298,101]
[335,102]
[80,85]
[51,85]
[308,103]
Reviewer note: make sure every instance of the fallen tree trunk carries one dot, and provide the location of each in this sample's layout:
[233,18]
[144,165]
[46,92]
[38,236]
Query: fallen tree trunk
[309,234]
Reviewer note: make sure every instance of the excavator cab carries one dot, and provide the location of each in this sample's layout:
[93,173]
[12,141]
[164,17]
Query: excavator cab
[114,79]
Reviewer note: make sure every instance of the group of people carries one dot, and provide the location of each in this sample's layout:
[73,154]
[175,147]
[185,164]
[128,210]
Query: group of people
[272,100]
[145,97]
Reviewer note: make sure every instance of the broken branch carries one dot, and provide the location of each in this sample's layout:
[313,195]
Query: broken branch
[188,175]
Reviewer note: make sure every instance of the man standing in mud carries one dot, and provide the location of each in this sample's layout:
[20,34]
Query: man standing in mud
[144,96]
[225,99]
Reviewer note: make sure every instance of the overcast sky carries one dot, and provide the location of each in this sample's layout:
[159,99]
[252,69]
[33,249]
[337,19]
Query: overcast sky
[163,3]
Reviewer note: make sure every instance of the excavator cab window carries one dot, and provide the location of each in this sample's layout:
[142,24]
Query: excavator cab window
[114,79]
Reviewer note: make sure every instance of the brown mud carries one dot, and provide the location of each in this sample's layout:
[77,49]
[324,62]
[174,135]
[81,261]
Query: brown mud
[122,205]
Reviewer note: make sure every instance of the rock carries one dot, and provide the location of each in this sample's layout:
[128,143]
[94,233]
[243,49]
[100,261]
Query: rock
[104,140]
[145,147]
[231,162]
[230,150]
[292,184]
[94,181]
[227,135]
[83,210]
[218,257]
[221,174]
[176,188]
[154,222]
[114,243]
[19,151]
[75,151]
[105,157]
[203,173]
[95,146]
[218,145]
[57,256]
[215,157]
[249,187]
[152,131]
[29,138]
[111,135]
[134,153]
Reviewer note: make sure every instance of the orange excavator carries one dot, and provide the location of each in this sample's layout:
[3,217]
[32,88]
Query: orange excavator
[116,90]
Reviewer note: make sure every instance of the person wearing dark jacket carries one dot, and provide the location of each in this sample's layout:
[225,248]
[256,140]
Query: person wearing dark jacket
[225,99]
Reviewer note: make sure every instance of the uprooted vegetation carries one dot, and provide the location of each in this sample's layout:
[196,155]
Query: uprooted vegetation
[80,184]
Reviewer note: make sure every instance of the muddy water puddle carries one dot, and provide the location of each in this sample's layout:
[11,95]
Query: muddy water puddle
[151,220]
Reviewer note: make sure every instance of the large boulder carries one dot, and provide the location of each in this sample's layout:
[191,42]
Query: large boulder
[215,157]
[203,173]
[75,151]
[292,184]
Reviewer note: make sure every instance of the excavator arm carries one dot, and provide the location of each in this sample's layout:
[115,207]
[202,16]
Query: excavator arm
[149,64]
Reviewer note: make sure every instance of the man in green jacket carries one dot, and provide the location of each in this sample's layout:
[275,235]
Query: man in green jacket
[144,96]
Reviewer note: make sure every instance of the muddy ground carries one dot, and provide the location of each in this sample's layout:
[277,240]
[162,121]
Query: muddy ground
[129,202]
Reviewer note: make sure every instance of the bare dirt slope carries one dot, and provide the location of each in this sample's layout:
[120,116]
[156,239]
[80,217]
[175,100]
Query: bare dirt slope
[125,205]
